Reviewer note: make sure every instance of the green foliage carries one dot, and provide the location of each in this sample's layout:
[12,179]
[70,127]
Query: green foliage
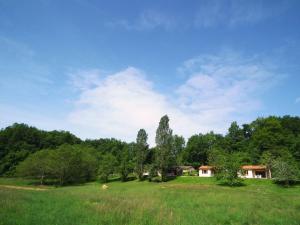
[235,140]
[262,141]
[66,164]
[37,165]
[106,145]
[286,170]
[295,148]
[141,153]
[163,154]
[152,169]
[126,163]
[227,166]
[268,135]
[267,159]
[20,140]
[73,164]
[198,148]
[178,148]
[107,167]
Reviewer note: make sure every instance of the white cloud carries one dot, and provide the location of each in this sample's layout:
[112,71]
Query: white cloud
[123,103]
[219,89]
[297,101]
[146,20]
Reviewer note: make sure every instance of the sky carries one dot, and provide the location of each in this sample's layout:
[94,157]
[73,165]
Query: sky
[102,69]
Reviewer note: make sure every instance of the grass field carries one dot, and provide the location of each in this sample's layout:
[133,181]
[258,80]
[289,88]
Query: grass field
[185,200]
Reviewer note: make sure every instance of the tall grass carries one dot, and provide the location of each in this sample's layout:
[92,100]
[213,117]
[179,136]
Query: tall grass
[181,201]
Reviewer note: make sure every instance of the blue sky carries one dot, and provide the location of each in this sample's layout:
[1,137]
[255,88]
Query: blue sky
[108,68]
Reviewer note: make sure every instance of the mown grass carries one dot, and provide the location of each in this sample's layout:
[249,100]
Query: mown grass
[185,200]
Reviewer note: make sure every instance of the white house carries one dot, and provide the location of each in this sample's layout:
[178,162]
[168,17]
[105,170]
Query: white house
[247,171]
[206,171]
[255,171]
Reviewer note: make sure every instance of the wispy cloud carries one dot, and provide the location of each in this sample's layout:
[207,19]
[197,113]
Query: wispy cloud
[15,48]
[146,20]
[85,79]
[219,89]
[236,12]
[224,87]
[205,14]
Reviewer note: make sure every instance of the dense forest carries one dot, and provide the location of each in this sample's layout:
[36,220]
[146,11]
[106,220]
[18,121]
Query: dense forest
[63,157]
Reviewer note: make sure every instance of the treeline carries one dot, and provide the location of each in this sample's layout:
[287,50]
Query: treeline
[20,140]
[62,157]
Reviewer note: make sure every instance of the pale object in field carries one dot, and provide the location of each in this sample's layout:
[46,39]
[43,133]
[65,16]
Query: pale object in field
[104,186]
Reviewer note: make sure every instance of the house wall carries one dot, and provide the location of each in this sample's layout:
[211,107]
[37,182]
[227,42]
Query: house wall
[249,175]
[208,174]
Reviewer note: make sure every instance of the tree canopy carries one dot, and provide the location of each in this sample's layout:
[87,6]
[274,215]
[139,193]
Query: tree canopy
[59,155]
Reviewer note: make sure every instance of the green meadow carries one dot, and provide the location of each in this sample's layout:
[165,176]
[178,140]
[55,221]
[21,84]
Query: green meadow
[185,200]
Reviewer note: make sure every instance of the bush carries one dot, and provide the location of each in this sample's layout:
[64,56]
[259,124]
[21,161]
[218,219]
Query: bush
[286,171]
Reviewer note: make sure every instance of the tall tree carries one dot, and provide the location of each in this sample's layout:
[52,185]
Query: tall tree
[107,166]
[178,147]
[198,148]
[141,153]
[163,154]
[72,164]
[267,159]
[125,162]
[235,138]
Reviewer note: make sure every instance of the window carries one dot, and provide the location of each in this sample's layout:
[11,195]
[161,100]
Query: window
[246,172]
[204,171]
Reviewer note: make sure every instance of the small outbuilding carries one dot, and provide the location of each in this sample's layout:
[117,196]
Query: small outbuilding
[255,171]
[206,171]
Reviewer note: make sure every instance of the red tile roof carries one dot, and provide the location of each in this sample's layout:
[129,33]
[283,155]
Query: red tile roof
[205,167]
[254,167]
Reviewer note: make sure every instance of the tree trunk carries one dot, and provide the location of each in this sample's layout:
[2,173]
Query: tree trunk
[42,179]
[163,175]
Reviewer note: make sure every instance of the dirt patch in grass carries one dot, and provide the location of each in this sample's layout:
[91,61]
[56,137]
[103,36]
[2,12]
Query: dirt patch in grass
[23,188]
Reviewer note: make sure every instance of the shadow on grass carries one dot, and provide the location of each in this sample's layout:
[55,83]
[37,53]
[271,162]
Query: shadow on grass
[226,184]
[170,178]
[118,179]
[55,183]
[157,179]
[285,184]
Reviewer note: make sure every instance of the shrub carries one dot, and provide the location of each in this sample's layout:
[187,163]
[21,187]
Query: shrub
[286,171]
